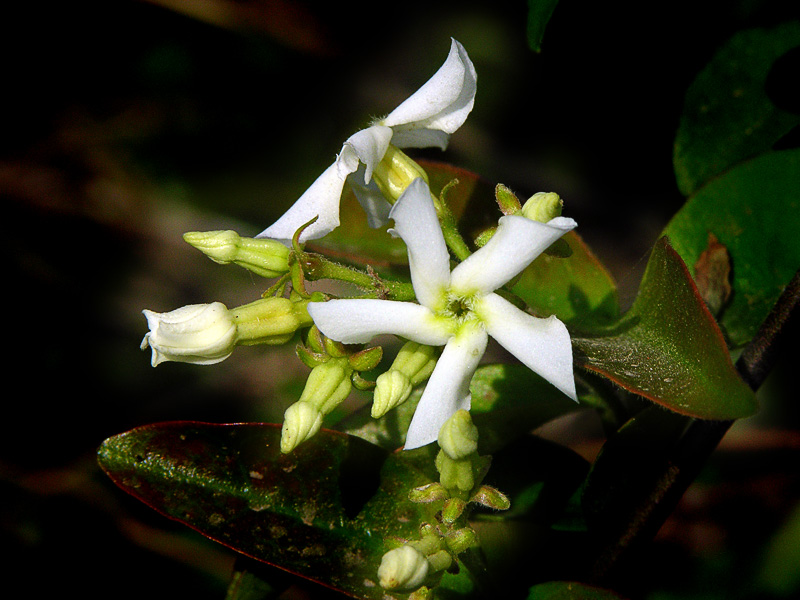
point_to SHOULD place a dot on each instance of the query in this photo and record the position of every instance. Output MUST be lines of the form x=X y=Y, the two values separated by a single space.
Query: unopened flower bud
x=416 y=361
x=395 y=173
x=366 y=359
x=202 y=334
x=264 y=257
x=301 y=422
x=542 y=207
x=455 y=474
x=461 y=539
x=403 y=568
x=507 y=200
x=328 y=385
x=392 y=388
x=458 y=437
x=452 y=510
x=270 y=320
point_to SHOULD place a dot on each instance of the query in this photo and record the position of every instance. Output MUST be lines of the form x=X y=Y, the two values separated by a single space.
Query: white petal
x=448 y=388
x=441 y=104
x=367 y=146
x=371 y=199
x=515 y=245
x=320 y=200
x=416 y=222
x=543 y=345
x=357 y=321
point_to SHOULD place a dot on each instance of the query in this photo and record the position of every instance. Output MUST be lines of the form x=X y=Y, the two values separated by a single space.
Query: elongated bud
x=395 y=173
x=392 y=388
x=264 y=257
x=461 y=539
x=542 y=207
x=202 y=334
x=403 y=568
x=458 y=437
x=328 y=385
x=301 y=422
x=507 y=200
x=270 y=320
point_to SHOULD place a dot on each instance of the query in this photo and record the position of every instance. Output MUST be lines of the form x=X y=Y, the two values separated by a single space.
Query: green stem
x=316 y=266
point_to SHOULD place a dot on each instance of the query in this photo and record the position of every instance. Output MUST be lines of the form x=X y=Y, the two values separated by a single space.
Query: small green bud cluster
x=334 y=372
x=413 y=364
x=460 y=472
x=541 y=207
x=264 y=257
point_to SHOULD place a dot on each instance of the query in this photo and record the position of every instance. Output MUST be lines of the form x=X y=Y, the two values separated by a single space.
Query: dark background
x=128 y=123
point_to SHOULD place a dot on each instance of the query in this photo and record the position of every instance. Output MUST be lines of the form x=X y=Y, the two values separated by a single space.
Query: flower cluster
x=445 y=316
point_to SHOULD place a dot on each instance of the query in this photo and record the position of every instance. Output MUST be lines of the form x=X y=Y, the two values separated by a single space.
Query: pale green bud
x=328 y=385
x=392 y=388
x=542 y=207
x=455 y=474
x=453 y=508
x=202 y=334
x=264 y=257
x=270 y=320
x=301 y=422
x=415 y=361
x=461 y=539
x=395 y=173
x=458 y=437
x=403 y=568
x=439 y=561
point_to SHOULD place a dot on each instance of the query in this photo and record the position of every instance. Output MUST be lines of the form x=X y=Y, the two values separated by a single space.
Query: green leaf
x=577 y=289
x=668 y=347
x=728 y=116
x=569 y=590
x=539 y=13
x=754 y=211
x=324 y=512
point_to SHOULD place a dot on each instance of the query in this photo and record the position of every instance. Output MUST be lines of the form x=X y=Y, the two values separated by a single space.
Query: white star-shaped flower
x=425 y=119
x=458 y=310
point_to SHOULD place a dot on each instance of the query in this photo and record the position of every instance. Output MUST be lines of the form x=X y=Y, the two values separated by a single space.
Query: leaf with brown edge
x=668 y=348
x=323 y=512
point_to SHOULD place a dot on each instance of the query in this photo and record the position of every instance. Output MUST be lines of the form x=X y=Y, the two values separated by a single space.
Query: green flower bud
x=542 y=207
x=270 y=320
x=458 y=437
x=264 y=257
x=301 y=421
x=328 y=385
x=366 y=359
x=453 y=509
x=439 y=561
x=403 y=568
x=430 y=492
x=395 y=173
x=507 y=200
x=455 y=474
x=461 y=539
x=392 y=388
x=491 y=498
x=415 y=361
x=203 y=334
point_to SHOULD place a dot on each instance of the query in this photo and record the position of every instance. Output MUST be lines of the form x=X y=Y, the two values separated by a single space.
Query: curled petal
x=442 y=104
x=320 y=200
x=367 y=146
x=447 y=390
x=516 y=244
x=358 y=321
x=542 y=345
x=415 y=221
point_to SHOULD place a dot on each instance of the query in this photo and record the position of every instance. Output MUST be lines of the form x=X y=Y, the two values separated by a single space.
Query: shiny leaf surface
x=668 y=348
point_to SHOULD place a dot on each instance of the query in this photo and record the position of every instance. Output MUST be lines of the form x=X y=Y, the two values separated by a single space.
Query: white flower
x=202 y=334
x=458 y=310
x=425 y=119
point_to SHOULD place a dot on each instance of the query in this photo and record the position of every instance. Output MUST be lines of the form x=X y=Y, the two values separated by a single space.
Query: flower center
x=459 y=309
